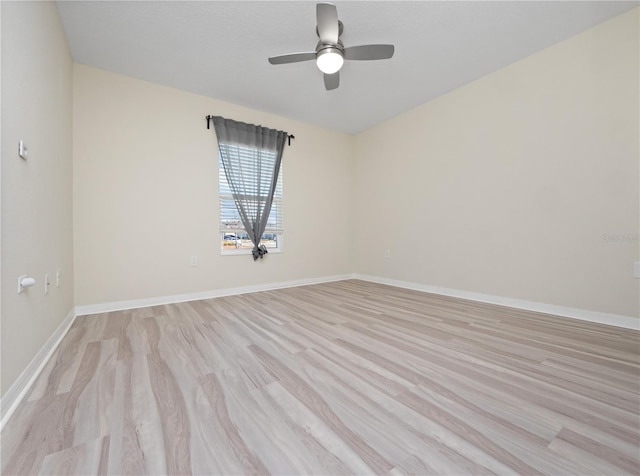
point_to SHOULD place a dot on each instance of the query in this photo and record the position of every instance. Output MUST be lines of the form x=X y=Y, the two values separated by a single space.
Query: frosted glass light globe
x=329 y=61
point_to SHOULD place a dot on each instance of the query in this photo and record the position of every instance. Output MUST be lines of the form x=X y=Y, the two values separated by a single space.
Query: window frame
x=277 y=199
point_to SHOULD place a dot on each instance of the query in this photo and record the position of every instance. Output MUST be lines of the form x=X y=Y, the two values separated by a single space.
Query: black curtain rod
x=289 y=136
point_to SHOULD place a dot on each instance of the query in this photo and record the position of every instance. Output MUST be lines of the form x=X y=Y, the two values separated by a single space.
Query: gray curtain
x=251 y=157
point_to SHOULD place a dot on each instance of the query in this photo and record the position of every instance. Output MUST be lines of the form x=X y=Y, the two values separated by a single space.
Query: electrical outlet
x=194 y=261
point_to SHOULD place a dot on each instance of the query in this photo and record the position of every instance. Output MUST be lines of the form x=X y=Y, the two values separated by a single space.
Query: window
x=233 y=238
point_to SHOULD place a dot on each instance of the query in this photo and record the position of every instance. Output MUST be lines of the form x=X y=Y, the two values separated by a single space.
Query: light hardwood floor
x=340 y=378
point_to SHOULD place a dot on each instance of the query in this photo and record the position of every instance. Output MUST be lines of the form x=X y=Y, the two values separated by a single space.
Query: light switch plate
x=23 y=152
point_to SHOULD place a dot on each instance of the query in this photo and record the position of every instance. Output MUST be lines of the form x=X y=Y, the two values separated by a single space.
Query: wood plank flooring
x=340 y=378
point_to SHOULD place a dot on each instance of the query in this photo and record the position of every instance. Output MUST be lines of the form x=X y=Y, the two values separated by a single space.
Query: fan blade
x=332 y=81
x=369 y=52
x=292 y=58
x=328 y=27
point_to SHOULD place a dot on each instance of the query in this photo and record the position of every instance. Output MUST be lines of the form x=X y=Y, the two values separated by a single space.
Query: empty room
x=310 y=238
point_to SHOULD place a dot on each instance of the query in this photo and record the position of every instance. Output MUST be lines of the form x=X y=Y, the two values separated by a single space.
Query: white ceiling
x=220 y=48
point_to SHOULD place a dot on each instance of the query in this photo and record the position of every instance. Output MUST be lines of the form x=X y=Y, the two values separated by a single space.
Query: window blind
x=248 y=167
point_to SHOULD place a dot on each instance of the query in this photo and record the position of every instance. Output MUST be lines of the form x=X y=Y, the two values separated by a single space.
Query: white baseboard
x=21 y=386
x=616 y=320
x=156 y=301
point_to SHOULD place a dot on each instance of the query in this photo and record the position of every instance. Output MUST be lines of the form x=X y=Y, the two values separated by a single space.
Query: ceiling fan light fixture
x=330 y=52
x=329 y=60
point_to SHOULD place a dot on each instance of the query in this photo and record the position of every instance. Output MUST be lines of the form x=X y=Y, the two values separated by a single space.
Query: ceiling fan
x=330 y=53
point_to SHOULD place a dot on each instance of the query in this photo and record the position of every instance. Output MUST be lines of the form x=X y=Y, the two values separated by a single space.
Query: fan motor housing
x=340 y=29
x=339 y=48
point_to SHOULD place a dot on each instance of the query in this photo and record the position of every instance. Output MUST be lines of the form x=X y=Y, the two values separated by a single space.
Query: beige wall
x=507 y=185
x=146 y=198
x=37 y=235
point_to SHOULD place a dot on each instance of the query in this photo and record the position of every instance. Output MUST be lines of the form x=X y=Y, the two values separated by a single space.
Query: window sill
x=247 y=252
